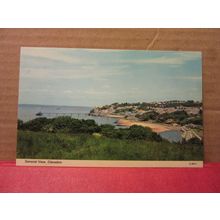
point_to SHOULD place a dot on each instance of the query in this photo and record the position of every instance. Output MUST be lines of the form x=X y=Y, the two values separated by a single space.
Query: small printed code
x=192 y=163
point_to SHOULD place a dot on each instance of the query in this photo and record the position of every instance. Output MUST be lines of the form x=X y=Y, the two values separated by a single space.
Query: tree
x=35 y=125
x=89 y=126
x=75 y=126
x=108 y=130
x=152 y=115
x=62 y=123
x=139 y=132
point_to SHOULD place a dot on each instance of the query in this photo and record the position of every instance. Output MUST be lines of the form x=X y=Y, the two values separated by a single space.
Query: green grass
x=42 y=145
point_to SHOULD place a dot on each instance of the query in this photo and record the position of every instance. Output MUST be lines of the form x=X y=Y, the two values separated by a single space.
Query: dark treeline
x=164 y=104
x=180 y=117
x=66 y=124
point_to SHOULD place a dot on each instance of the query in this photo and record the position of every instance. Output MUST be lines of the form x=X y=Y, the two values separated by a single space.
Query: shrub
x=62 y=123
x=41 y=145
x=177 y=116
x=108 y=130
x=70 y=125
x=197 y=120
x=148 y=116
x=139 y=132
x=35 y=124
x=89 y=126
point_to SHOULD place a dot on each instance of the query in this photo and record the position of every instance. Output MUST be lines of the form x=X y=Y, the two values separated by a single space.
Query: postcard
x=109 y=108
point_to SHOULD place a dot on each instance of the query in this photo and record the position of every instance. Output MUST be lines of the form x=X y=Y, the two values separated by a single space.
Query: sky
x=96 y=77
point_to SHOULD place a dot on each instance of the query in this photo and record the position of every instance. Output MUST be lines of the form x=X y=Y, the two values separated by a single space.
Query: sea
x=28 y=112
x=171 y=136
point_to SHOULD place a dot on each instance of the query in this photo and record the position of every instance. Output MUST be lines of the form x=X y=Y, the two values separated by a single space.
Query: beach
x=156 y=127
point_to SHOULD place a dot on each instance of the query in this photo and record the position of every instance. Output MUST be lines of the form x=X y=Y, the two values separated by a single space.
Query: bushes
x=68 y=138
x=152 y=115
x=111 y=132
x=177 y=116
x=143 y=133
x=64 y=124
x=70 y=125
x=193 y=120
x=88 y=126
x=108 y=131
x=35 y=124
x=134 y=132
x=41 y=145
x=191 y=103
x=139 y=133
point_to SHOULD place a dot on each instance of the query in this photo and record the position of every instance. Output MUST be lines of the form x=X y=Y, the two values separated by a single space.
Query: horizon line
x=109 y=104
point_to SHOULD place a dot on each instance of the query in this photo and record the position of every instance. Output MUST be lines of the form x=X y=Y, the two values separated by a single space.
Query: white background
x=114 y=13
x=109 y=206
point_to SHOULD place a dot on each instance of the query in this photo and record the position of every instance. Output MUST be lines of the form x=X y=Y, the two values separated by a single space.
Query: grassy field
x=43 y=145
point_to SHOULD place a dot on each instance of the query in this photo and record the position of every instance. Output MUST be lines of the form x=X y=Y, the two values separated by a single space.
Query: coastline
x=156 y=127
x=107 y=115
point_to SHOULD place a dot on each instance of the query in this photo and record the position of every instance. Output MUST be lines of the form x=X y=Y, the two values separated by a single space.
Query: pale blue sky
x=93 y=77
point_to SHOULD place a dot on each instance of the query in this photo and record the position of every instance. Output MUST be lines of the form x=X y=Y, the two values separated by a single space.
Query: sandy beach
x=156 y=127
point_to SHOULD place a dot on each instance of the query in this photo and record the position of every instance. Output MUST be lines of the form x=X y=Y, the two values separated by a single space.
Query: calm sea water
x=172 y=136
x=28 y=112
